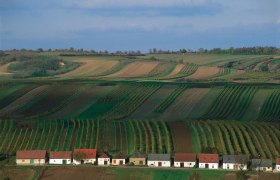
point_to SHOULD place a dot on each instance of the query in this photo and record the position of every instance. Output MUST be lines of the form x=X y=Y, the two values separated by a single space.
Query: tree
x=79 y=156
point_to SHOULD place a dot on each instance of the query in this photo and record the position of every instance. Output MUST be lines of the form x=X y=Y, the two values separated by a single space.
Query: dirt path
x=181 y=137
x=136 y=69
x=204 y=72
x=4 y=68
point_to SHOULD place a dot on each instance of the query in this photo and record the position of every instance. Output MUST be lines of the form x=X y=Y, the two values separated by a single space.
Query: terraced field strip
x=6 y=90
x=183 y=104
x=270 y=110
x=160 y=69
x=176 y=70
x=135 y=98
x=14 y=93
x=146 y=110
x=82 y=102
x=204 y=72
x=53 y=101
x=246 y=138
x=114 y=69
x=102 y=67
x=136 y=69
x=205 y=103
x=232 y=103
x=25 y=99
x=182 y=138
x=256 y=77
x=256 y=104
x=169 y=99
x=187 y=70
x=166 y=71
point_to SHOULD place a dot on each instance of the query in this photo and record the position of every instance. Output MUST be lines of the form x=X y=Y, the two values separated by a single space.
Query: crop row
x=129 y=136
x=233 y=137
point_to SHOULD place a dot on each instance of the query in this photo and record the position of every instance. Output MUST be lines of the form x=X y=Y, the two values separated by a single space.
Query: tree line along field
x=117 y=101
x=146 y=136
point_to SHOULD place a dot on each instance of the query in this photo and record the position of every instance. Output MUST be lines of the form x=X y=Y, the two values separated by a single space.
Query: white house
x=60 y=157
x=277 y=167
x=31 y=157
x=261 y=164
x=235 y=162
x=84 y=156
x=103 y=160
x=208 y=161
x=187 y=160
x=159 y=160
x=119 y=159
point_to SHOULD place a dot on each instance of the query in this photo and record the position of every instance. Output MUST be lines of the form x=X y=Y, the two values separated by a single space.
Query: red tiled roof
x=208 y=158
x=278 y=161
x=31 y=154
x=89 y=153
x=103 y=155
x=185 y=157
x=60 y=155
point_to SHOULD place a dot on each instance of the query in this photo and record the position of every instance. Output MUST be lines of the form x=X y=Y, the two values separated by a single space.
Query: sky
x=138 y=24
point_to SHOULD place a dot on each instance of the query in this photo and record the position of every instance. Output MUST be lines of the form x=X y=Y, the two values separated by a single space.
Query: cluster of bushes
x=39 y=66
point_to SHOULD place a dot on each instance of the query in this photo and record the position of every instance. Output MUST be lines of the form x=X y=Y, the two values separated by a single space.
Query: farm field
x=146 y=136
x=122 y=100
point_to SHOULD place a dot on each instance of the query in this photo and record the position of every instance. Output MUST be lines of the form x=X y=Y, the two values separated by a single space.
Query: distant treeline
x=256 y=50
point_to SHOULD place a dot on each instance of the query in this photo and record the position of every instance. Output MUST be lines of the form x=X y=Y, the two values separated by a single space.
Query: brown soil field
x=136 y=69
x=82 y=102
x=15 y=174
x=184 y=104
x=75 y=173
x=181 y=137
x=26 y=98
x=146 y=109
x=4 y=68
x=204 y=72
x=176 y=70
x=90 y=67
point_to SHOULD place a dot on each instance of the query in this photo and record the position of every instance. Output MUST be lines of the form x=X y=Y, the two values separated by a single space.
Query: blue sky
x=138 y=25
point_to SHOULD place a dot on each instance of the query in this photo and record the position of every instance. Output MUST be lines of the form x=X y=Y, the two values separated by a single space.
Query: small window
x=23 y=160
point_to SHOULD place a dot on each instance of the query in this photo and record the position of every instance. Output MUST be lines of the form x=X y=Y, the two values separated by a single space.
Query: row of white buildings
x=181 y=160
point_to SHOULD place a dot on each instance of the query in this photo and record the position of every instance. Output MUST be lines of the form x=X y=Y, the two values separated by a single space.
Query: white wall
x=101 y=161
x=231 y=166
x=263 y=169
x=186 y=164
x=59 y=161
x=86 y=161
x=117 y=161
x=27 y=161
x=277 y=167
x=155 y=163
x=210 y=165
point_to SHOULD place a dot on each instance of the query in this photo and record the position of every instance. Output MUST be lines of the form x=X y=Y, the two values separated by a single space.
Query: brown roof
x=103 y=155
x=185 y=157
x=31 y=154
x=60 y=155
x=208 y=158
x=89 y=153
x=119 y=156
x=278 y=161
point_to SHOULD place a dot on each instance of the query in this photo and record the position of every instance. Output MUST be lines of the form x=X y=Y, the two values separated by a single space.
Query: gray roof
x=240 y=159
x=159 y=157
x=261 y=163
x=138 y=155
